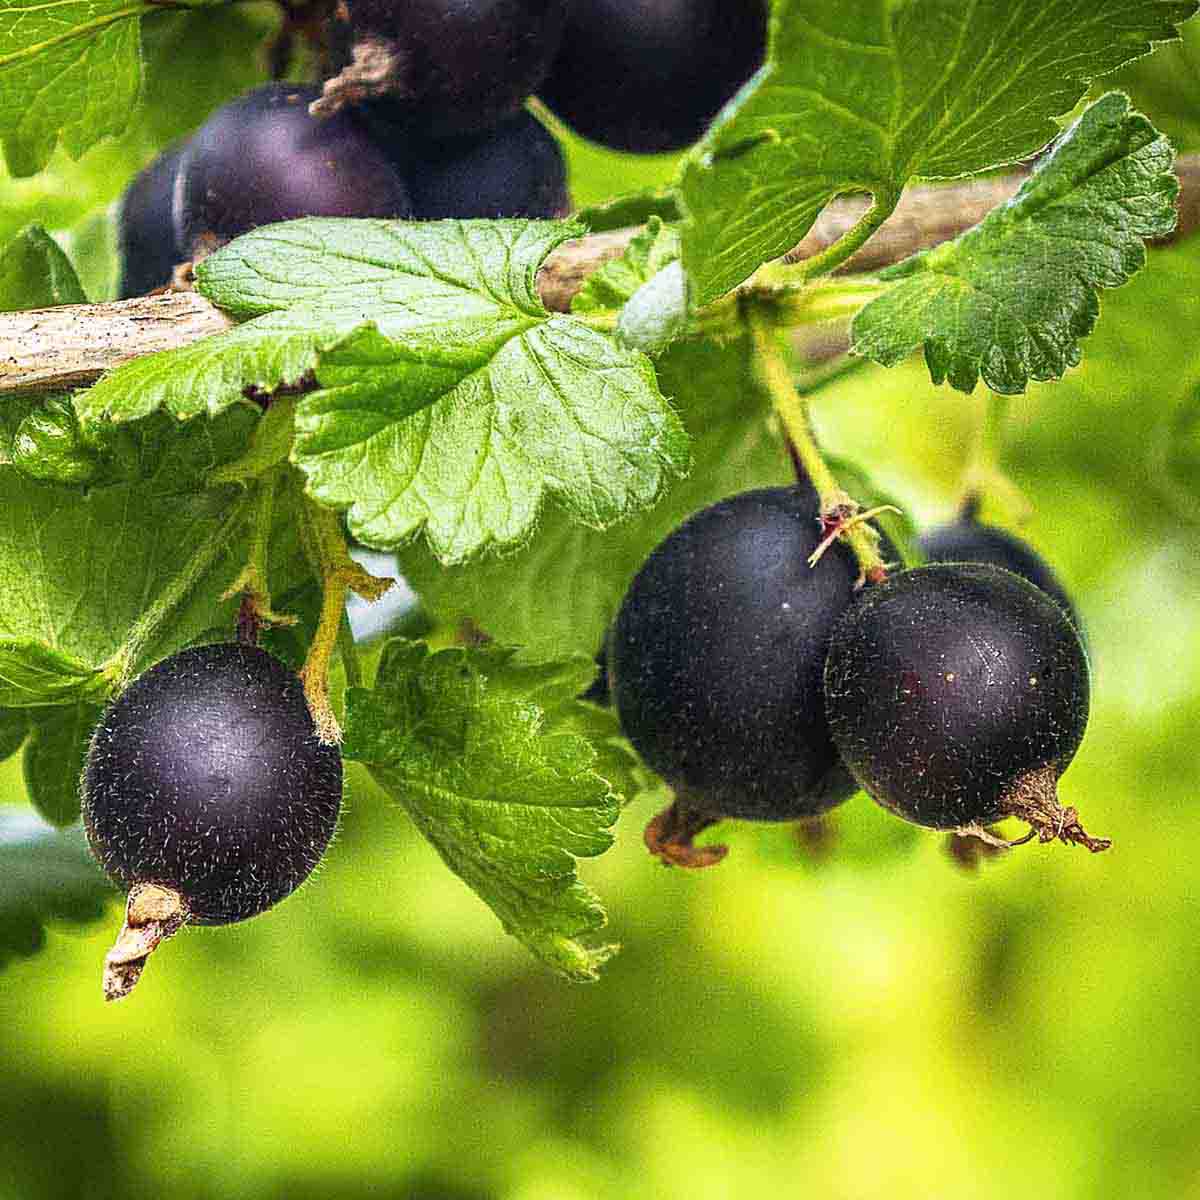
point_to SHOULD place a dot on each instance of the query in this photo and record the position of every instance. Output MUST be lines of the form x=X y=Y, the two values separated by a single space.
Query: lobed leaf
x=449 y=399
x=482 y=752
x=865 y=95
x=1011 y=299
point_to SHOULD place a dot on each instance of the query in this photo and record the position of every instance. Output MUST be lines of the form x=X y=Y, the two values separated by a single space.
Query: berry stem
x=152 y=914
x=838 y=510
x=269 y=447
x=120 y=665
x=252 y=581
x=670 y=836
x=984 y=474
x=331 y=559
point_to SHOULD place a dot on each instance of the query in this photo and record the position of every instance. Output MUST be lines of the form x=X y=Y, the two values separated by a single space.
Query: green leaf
x=70 y=72
x=558 y=595
x=1011 y=298
x=48 y=445
x=451 y=400
x=45 y=877
x=634 y=209
x=616 y=282
x=78 y=569
x=53 y=760
x=470 y=743
x=35 y=273
x=14 y=728
x=865 y=95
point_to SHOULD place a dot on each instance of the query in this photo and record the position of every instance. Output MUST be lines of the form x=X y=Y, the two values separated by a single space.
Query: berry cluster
x=422 y=117
x=762 y=687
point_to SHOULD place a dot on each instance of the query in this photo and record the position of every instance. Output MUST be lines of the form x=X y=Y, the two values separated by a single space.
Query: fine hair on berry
x=957 y=694
x=717 y=653
x=206 y=777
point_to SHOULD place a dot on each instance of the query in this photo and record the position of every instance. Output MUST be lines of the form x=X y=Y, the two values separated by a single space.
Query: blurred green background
x=860 y=1020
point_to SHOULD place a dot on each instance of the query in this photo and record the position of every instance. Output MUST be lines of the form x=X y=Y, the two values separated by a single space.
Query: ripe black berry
x=443 y=67
x=206 y=792
x=148 y=246
x=649 y=75
x=957 y=694
x=969 y=540
x=516 y=170
x=716 y=659
x=262 y=158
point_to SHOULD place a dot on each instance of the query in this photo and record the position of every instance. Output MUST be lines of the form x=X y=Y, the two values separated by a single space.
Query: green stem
x=853 y=240
x=121 y=664
x=322 y=532
x=348 y=653
x=774 y=375
x=817 y=379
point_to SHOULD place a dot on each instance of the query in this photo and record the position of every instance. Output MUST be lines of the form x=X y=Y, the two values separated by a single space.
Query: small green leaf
x=35 y=273
x=1011 y=298
x=70 y=72
x=48 y=445
x=45 y=877
x=33 y=674
x=14 y=728
x=865 y=95
x=615 y=283
x=53 y=760
x=479 y=750
x=635 y=209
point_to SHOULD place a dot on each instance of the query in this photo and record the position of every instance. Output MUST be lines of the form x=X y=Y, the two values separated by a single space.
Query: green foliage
x=48 y=445
x=560 y=593
x=14 y=728
x=35 y=273
x=79 y=569
x=616 y=282
x=864 y=96
x=470 y=742
x=1011 y=298
x=44 y=876
x=90 y=49
x=458 y=409
x=52 y=760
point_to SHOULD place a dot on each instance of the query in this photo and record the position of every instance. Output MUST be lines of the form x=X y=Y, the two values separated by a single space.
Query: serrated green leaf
x=616 y=282
x=451 y=400
x=1011 y=298
x=77 y=569
x=865 y=95
x=35 y=273
x=559 y=410
x=558 y=595
x=470 y=742
x=14 y=728
x=70 y=72
x=45 y=877
x=53 y=759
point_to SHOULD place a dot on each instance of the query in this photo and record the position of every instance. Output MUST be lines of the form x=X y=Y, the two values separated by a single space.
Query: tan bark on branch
x=54 y=349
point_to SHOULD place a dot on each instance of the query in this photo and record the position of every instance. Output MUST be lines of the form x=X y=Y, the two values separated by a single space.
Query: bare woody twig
x=54 y=349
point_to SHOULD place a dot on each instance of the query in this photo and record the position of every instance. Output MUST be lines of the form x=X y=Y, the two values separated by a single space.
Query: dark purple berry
x=957 y=694
x=516 y=170
x=205 y=776
x=444 y=67
x=146 y=238
x=650 y=75
x=717 y=653
x=969 y=540
x=263 y=158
